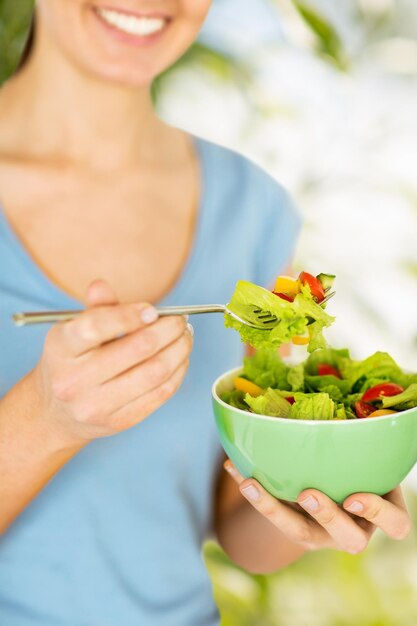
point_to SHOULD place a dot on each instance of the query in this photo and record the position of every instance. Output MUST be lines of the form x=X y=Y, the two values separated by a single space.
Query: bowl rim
x=288 y=420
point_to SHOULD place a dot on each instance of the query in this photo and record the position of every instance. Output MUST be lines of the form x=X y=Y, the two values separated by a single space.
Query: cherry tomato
x=362 y=409
x=284 y=296
x=324 y=369
x=315 y=285
x=381 y=390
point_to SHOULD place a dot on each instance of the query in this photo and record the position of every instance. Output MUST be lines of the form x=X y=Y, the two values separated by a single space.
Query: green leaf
x=270 y=403
x=315 y=406
x=377 y=368
x=330 y=356
x=328 y=40
x=15 y=20
x=407 y=397
x=267 y=369
x=296 y=377
x=293 y=316
x=335 y=387
x=235 y=398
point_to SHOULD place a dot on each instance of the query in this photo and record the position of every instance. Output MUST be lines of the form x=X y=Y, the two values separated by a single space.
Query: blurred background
x=322 y=94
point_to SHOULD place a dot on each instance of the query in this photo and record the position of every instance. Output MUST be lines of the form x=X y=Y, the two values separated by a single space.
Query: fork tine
x=327 y=298
x=265 y=320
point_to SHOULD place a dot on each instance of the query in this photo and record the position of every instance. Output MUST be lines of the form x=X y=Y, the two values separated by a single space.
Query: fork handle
x=48 y=317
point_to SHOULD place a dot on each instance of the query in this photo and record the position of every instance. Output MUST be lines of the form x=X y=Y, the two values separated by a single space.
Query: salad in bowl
x=330 y=422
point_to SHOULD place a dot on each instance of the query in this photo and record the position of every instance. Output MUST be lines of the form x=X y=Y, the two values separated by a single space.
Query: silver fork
x=260 y=319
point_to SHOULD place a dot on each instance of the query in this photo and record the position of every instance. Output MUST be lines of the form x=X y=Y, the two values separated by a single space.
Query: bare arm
x=31 y=452
x=98 y=375
x=249 y=539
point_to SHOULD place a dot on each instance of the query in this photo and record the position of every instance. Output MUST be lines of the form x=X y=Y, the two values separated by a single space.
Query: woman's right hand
x=111 y=367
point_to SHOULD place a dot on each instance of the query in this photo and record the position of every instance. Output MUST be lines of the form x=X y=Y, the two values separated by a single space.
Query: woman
x=93 y=185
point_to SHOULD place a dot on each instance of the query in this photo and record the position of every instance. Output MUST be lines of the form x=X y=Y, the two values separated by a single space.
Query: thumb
x=100 y=293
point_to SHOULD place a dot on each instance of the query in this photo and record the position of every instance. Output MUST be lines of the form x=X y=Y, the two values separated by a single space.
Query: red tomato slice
x=324 y=369
x=315 y=285
x=381 y=390
x=362 y=409
x=284 y=296
x=291 y=399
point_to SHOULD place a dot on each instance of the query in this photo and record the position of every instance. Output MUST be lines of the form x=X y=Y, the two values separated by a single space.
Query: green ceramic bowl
x=337 y=457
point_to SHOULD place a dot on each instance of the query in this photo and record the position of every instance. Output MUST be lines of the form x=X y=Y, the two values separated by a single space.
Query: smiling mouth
x=136 y=25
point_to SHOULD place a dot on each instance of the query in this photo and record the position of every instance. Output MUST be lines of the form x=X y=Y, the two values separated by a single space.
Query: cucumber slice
x=326 y=280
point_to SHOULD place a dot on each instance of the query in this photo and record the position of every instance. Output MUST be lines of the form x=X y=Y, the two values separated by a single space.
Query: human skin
x=54 y=166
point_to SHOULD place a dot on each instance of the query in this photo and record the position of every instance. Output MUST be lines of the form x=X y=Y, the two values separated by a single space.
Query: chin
x=122 y=73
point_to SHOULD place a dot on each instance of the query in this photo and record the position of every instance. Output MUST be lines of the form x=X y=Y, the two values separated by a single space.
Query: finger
x=347 y=535
x=396 y=497
x=100 y=293
x=389 y=513
x=368 y=527
x=137 y=410
x=294 y=525
x=146 y=376
x=121 y=355
x=99 y=325
x=233 y=471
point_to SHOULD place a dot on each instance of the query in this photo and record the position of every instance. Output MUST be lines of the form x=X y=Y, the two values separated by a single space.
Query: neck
x=67 y=114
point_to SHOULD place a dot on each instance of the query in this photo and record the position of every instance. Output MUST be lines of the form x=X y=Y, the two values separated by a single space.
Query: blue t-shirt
x=115 y=538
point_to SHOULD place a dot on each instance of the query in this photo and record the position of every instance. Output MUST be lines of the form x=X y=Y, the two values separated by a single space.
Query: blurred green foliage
x=15 y=19
x=328 y=41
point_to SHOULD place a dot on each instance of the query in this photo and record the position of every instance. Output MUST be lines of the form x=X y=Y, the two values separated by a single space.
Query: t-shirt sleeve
x=279 y=232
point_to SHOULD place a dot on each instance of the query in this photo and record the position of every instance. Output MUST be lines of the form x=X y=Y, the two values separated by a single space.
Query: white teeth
x=132 y=25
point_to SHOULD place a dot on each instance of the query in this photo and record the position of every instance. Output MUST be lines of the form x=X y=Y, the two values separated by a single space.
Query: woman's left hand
x=317 y=522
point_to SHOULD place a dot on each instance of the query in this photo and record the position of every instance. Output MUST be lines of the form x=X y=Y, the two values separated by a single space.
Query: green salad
x=295 y=302
x=329 y=384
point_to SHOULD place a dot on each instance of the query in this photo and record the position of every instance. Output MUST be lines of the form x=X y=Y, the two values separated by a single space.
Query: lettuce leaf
x=344 y=412
x=330 y=356
x=377 y=368
x=314 y=406
x=270 y=403
x=335 y=387
x=321 y=397
x=235 y=398
x=267 y=369
x=295 y=377
x=405 y=400
x=294 y=316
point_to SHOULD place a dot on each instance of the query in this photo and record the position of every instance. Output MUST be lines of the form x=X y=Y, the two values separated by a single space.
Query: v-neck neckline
x=185 y=277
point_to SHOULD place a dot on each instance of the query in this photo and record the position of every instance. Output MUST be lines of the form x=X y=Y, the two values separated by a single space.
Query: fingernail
x=149 y=315
x=190 y=329
x=251 y=492
x=310 y=504
x=230 y=469
x=355 y=507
